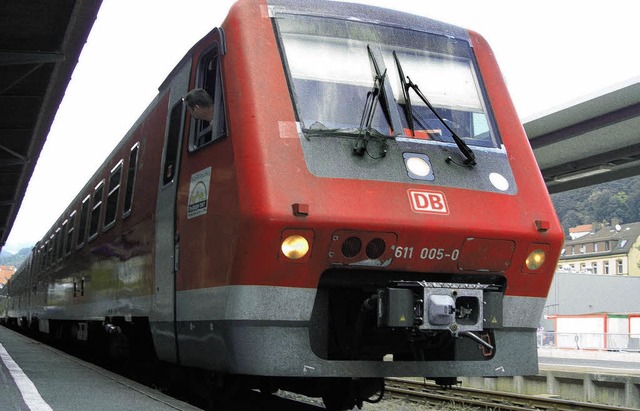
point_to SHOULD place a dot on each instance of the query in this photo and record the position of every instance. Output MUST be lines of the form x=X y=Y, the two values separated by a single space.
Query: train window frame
x=113 y=196
x=132 y=171
x=450 y=48
x=59 y=244
x=171 y=158
x=50 y=250
x=96 y=210
x=81 y=238
x=63 y=233
x=40 y=254
x=200 y=134
x=45 y=255
x=71 y=228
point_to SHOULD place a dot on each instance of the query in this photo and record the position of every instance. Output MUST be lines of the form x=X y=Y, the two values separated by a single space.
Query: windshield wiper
x=376 y=93
x=315 y=131
x=406 y=85
x=383 y=93
x=408 y=109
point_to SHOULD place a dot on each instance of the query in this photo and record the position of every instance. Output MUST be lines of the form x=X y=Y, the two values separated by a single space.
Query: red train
x=364 y=204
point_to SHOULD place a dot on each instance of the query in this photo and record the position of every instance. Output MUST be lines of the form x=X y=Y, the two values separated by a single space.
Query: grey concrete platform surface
x=36 y=377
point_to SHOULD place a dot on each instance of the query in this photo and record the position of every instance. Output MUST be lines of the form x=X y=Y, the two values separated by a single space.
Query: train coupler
x=434 y=306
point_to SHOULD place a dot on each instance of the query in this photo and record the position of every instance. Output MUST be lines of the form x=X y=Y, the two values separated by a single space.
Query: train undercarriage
x=363 y=323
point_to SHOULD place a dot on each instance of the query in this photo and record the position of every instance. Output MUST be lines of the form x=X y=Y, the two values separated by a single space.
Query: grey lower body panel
x=272 y=348
x=258 y=330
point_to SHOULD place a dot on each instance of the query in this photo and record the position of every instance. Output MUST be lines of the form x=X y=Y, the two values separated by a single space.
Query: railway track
x=417 y=391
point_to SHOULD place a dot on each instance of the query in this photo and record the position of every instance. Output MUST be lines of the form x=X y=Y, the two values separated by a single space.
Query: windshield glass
x=331 y=78
x=449 y=84
x=331 y=74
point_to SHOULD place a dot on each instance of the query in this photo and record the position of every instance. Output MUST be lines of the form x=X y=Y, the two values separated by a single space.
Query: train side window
x=63 y=238
x=209 y=77
x=70 y=229
x=41 y=252
x=59 y=244
x=45 y=255
x=84 y=217
x=35 y=264
x=131 y=180
x=94 y=224
x=173 y=140
x=113 y=196
x=50 y=248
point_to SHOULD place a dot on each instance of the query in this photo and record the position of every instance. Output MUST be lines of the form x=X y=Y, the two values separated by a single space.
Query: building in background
x=600 y=331
x=611 y=250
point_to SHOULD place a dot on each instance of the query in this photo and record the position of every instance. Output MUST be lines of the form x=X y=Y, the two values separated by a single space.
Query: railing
x=589 y=341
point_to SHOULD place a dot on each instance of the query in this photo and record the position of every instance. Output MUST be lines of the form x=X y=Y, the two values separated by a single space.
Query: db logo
x=428 y=202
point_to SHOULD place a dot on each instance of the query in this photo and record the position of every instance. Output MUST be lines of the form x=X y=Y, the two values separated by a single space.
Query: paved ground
x=37 y=377
x=613 y=362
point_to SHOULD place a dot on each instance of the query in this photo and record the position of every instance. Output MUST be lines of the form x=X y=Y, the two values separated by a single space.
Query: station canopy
x=40 y=42
x=594 y=140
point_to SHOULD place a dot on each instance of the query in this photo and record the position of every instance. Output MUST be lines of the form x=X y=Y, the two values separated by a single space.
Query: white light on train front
x=418 y=166
x=295 y=247
x=535 y=259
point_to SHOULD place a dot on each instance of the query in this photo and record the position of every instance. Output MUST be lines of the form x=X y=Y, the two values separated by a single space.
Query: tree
x=600 y=203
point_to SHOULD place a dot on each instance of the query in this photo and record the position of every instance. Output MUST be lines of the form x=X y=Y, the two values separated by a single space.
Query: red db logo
x=428 y=202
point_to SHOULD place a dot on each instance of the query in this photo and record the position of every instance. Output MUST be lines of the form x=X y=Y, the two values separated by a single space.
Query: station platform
x=36 y=377
x=599 y=377
x=591 y=361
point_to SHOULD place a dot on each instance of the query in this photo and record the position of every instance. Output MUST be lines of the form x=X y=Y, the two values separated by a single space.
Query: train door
x=162 y=319
x=205 y=157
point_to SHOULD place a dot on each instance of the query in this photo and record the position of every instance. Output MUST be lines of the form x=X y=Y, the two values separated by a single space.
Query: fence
x=590 y=341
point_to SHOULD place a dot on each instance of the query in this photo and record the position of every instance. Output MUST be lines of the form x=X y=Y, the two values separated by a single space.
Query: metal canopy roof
x=593 y=141
x=40 y=42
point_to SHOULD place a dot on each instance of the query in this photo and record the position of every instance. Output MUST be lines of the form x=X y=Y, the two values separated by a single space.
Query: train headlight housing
x=295 y=247
x=535 y=259
x=418 y=166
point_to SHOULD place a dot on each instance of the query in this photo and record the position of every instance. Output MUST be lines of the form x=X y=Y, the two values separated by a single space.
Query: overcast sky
x=552 y=54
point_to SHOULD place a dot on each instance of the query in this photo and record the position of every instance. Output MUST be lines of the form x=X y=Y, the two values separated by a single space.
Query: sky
x=552 y=54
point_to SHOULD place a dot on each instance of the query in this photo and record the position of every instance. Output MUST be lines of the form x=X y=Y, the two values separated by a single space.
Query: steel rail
x=413 y=390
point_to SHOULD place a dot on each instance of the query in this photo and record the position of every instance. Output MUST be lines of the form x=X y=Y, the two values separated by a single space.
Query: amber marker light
x=295 y=247
x=535 y=259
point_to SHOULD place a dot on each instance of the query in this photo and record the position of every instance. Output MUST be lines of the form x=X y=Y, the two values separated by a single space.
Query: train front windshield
x=335 y=84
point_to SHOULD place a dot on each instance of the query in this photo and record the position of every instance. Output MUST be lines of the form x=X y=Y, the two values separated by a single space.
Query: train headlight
x=418 y=166
x=295 y=247
x=535 y=259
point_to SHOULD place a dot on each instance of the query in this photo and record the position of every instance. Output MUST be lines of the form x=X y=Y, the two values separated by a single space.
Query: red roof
x=5 y=273
x=585 y=228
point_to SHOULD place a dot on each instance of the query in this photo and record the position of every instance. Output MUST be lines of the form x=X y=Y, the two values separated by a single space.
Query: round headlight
x=418 y=166
x=295 y=247
x=535 y=259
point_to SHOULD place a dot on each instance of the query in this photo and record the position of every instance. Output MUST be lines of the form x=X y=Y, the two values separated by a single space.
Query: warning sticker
x=199 y=193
